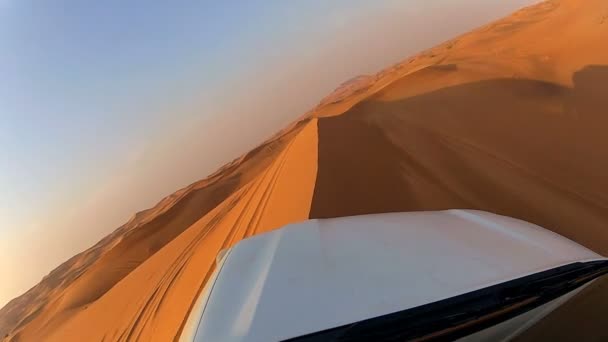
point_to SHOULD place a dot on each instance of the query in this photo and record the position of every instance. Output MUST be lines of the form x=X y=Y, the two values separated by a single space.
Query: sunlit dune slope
x=90 y=276
x=509 y=118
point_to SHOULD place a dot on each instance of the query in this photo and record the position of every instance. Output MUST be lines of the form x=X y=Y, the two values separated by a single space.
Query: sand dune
x=154 y=291
x=509 y=118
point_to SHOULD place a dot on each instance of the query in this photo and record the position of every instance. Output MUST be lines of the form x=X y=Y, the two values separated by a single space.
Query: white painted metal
x=192 y=324
x=320 y=274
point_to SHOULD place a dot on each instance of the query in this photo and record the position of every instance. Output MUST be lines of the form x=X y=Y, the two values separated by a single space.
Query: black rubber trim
x=459 y=316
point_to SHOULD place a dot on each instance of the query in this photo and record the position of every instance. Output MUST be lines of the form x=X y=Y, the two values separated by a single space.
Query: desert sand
x=510 y=118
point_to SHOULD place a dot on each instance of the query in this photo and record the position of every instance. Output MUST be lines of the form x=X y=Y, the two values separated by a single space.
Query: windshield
x=463 y=315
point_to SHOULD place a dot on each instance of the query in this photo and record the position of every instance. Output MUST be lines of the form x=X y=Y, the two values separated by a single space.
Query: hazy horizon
x=108 y=108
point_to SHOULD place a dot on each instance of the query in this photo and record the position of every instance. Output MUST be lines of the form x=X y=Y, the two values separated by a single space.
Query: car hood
x=320 y=274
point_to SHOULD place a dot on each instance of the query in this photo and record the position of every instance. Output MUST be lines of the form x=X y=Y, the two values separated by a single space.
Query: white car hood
x=320 y=274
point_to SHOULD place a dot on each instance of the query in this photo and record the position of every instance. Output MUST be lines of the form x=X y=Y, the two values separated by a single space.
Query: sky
x=108 y=106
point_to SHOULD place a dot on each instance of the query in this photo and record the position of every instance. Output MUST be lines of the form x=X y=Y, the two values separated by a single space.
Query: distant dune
x=510 y=118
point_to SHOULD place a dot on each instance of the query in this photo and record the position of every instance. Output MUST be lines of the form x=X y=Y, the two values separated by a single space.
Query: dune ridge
x=508 y=118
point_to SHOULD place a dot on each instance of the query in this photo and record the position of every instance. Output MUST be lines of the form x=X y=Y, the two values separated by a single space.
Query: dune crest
x=508 y=118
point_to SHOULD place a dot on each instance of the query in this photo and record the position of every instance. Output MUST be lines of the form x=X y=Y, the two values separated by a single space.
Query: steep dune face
x=522 y=148
x=509 y=118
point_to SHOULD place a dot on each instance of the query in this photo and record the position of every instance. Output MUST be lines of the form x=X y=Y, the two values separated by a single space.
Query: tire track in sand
x=249 y=205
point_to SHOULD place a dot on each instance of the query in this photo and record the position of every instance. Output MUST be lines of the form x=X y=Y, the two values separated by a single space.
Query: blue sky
x=107 y=106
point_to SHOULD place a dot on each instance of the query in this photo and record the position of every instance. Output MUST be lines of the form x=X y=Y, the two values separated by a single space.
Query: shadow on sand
x=523 y=148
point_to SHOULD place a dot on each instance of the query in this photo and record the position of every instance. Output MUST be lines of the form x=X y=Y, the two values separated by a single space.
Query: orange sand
x=509 y=118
